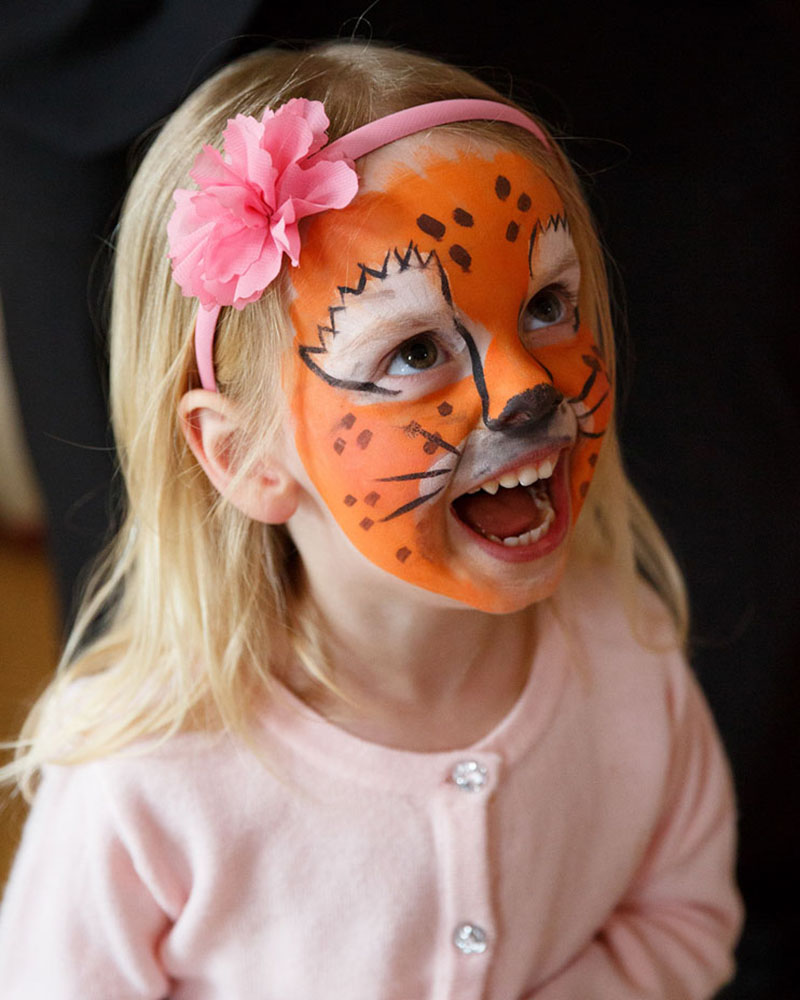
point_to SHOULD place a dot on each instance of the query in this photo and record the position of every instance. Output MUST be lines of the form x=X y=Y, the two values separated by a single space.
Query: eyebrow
x=388 y=327
x=385 y=308
x=550 y=269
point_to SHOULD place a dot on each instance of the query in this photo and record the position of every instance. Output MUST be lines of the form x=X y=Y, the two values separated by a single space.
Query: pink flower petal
x=284 y=231
x=186 y=274
x=259 y=275
x=210 y=168
x=229 y=257
x=321 y=186
x=221 y=293
x=242 y=144
x=318 y=120
x=243 y=203
x=313 y=114
x=288 y=139
x=183 y=221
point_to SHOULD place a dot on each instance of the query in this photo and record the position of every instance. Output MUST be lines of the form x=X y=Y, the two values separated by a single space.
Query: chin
x=504 y=590
x=509 y=596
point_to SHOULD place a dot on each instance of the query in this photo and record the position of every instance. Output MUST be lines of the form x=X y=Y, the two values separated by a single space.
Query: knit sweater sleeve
x=77 y=919
x=672 y=934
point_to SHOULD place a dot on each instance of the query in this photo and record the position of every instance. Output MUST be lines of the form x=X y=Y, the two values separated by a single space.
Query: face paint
x=439 y=349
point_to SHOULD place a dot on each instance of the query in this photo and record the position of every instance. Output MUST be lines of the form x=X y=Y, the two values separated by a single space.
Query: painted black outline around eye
x=403 y=260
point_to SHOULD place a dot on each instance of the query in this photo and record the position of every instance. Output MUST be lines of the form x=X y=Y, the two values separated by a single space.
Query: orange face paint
x=439 y=348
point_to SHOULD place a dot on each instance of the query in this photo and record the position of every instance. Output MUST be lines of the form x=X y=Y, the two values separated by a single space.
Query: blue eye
x=546 y=308
x=414 y=356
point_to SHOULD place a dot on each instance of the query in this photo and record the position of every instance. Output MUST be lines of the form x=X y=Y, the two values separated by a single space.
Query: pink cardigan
x=583 y=850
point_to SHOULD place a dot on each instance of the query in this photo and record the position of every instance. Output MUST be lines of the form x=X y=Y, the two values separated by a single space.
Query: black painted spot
x=364 y=439
x=512 y=232
x=349 y=500
x=461 y=256
x=339 y=445
x=583 y=489
x=592 y=363
x=502 y=187
x=371 y=499
x=366 y=524
x=463 y=218
x=524 y=202
x=593 y=459
x=348 y=420
x=431 y=226
x=445 y=409
x=430 y=447
x=403 y=554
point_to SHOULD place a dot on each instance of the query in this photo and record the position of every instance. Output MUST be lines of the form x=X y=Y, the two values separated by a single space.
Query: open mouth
x=520 y=508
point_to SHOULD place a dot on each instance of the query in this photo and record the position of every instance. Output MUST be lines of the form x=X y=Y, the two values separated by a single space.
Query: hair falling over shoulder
x=196 y=600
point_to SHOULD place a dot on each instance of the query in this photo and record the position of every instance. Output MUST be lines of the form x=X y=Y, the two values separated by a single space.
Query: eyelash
x=444 y=353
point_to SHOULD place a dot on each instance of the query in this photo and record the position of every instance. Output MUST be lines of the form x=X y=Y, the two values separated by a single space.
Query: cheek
x=579 y=372
x=378 y=466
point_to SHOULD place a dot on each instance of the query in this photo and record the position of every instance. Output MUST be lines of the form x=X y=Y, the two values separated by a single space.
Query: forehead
x=478 y=208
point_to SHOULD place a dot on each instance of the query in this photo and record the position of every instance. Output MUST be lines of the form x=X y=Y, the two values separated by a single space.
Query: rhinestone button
x=470 y=939
x=469 y=775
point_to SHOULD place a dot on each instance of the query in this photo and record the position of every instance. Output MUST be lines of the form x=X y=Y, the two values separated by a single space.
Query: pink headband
x=227 y=238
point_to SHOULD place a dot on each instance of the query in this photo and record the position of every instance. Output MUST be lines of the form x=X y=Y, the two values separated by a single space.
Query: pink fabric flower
x=227 y=239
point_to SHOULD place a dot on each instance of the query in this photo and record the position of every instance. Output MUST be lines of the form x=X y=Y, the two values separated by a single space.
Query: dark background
x=683 y=122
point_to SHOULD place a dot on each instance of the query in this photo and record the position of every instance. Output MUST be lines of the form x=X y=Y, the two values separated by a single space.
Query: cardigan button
x=469 y=775
x=470 y=939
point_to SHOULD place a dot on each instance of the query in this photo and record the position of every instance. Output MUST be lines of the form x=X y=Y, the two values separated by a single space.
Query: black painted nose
x=526 y=412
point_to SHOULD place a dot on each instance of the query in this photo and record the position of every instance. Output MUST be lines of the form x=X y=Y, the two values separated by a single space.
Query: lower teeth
x=542 y=501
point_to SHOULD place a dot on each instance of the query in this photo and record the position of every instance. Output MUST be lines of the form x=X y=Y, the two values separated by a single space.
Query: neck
x=412 y=674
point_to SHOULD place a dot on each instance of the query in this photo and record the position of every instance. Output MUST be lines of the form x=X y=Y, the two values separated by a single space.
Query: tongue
x=507 y=513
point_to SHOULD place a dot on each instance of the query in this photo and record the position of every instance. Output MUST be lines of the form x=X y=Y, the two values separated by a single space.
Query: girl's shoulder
x=154 y=784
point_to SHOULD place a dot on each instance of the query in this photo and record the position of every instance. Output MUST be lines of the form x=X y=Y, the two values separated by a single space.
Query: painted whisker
x=413 y=475
x=588 y=385
x=412 y=505
x=413 y=429
x=596 y=406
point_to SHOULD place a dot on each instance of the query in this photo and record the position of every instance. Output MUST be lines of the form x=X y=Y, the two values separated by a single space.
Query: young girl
x=373 y=712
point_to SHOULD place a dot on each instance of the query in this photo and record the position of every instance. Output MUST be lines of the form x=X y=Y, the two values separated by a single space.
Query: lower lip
x=559 y=497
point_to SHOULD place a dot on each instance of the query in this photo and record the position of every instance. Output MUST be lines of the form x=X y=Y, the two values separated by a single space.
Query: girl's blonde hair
x=193 y=597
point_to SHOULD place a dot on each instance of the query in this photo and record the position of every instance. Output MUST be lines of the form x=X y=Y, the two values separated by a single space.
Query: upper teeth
x=525 y=477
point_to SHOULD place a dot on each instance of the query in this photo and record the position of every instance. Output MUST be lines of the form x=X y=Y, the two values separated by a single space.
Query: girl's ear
x=267 y=491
